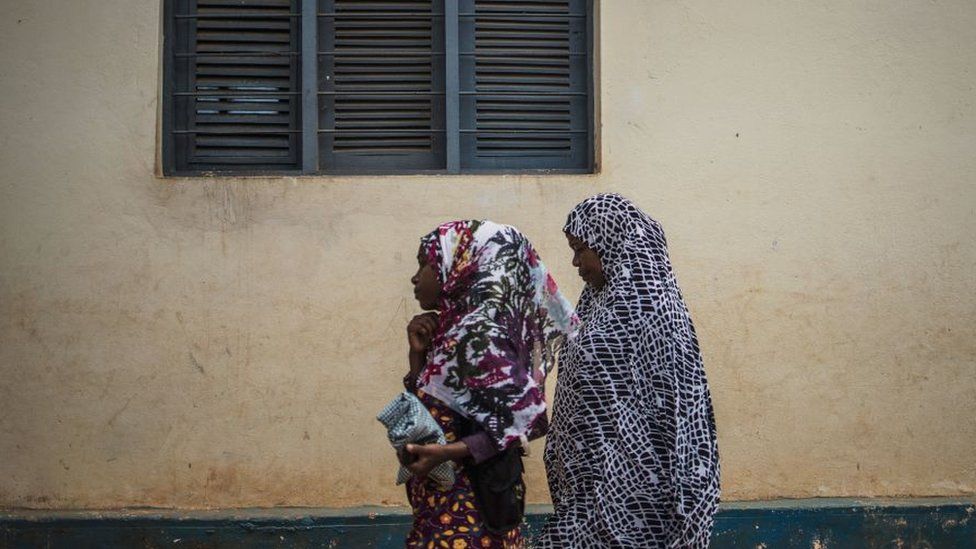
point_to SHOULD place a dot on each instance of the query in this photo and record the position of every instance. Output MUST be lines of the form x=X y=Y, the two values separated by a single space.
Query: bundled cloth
x=408 y=421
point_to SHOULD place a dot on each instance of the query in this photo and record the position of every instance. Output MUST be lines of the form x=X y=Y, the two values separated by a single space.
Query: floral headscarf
x=501 y=318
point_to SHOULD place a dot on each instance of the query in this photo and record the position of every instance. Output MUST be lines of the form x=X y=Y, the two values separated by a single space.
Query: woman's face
x=587 y=263
x=426 y=284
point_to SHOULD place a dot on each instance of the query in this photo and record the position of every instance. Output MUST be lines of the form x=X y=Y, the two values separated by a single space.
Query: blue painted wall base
x=821 y=523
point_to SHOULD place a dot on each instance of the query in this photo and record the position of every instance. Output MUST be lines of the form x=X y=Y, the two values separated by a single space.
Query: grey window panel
x=233 y=90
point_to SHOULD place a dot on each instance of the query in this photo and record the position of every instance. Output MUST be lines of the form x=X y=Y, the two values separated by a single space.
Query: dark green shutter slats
x=524 y=85
x=381 y=85
x=236 y=90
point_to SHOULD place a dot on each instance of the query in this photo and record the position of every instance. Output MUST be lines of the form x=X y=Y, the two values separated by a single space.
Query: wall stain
x=196 y=363
x=111 y=420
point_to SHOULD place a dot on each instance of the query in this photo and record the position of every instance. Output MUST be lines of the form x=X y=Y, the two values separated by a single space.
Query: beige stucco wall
x=201 y=343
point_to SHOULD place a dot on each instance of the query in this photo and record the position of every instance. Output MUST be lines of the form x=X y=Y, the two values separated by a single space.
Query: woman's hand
x=427 y=456
x=420 y=332
x=405 y=457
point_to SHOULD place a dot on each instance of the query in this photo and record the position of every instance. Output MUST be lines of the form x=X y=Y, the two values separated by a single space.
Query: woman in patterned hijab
x=479 y=358
x=631 y=454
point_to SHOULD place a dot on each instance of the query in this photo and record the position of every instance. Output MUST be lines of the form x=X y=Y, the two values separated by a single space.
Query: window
x=377 y=86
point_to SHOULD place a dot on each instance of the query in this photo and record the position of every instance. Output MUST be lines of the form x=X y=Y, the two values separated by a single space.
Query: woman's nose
x=576 y=262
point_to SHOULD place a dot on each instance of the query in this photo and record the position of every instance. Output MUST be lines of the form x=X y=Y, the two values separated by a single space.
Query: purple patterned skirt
x=449 y=517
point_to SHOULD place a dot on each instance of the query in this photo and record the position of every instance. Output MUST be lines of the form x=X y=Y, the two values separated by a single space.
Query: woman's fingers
x=415 y=449
x=418 y=469
x=417 y=341
x=421 y=449
x=420 y=331
x=423 y=323
x=425 y=328
x=429 y=324
x=424 y=459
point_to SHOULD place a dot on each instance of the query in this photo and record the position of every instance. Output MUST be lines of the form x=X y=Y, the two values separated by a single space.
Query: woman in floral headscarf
x=631 y=456
x=478 y=360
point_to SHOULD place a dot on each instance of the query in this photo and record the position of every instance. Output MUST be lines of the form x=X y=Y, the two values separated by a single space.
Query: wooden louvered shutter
x=525 y=80
x=235 y=86
x=381 y=85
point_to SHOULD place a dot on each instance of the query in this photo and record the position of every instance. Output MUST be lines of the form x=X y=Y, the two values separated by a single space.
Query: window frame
x=309 y=95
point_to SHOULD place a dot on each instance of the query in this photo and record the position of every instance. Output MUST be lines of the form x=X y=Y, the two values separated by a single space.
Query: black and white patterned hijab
x=632 y=456
x=631 y=247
